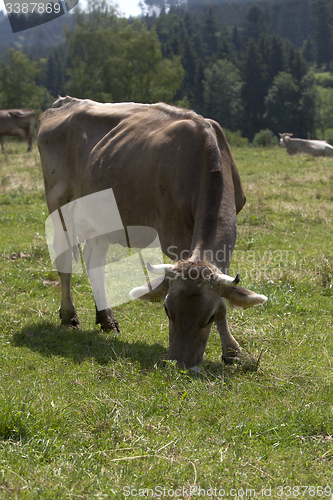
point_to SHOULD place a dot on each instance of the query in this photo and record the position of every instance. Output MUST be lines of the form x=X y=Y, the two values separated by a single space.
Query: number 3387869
x=31 y=7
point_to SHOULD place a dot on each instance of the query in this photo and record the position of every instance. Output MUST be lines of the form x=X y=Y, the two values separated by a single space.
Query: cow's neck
x=215 y=225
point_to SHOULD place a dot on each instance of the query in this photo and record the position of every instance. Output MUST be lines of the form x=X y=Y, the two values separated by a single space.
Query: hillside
x=35 y=42
x=288 y=18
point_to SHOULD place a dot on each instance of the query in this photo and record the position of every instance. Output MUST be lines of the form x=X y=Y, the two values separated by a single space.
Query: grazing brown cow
x=307 y=146
x=17 y=122
x=172 y=170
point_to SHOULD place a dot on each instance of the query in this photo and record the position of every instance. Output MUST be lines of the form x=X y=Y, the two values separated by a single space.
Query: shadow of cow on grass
x=50 y=340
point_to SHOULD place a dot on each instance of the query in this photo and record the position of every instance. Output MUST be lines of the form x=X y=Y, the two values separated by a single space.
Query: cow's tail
x=75 y=248
x=31 y=130
x=32 y=123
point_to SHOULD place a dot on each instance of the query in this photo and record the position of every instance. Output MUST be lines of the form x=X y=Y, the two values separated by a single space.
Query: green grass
x=86 y=414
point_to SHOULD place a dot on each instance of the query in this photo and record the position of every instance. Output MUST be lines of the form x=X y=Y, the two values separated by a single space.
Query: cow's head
x=284 y=139
x=193 y=293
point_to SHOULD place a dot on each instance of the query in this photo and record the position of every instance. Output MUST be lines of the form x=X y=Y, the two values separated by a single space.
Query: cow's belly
x=14 y=131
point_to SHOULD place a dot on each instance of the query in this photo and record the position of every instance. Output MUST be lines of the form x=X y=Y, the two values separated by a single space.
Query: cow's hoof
x=70 y=319
x=230 y=360
x=107 y=321
x=110 y=325
x=242 y=359
x=232 y=356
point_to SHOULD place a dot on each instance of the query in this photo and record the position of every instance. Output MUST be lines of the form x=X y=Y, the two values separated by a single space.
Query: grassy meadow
x=86 y=415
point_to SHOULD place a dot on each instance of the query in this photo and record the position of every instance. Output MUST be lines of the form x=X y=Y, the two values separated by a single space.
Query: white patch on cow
x=233 y=306
x=237 y=301
x=263 y=298
x=138 y=292
x=159 y=269
x=224 y=279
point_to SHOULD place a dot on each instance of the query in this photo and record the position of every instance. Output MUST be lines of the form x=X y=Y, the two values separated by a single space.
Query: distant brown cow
x=17 y=122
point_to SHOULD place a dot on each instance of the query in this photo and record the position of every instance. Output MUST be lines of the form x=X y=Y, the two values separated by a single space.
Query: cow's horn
x=224 y=279
x=160 y=268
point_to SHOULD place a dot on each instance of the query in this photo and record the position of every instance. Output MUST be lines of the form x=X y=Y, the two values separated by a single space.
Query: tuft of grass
x=13 y=421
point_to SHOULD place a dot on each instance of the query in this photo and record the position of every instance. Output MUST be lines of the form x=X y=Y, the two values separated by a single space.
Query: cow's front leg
x=94 y=255
x=107 y=320
x=67 y=309
x=1 y=141
x=231 y=349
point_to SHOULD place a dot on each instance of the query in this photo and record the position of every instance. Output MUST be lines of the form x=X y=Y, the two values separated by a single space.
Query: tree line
x=247 y=77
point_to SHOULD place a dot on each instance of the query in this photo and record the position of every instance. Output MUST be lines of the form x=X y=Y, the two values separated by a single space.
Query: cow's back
x=152 y=156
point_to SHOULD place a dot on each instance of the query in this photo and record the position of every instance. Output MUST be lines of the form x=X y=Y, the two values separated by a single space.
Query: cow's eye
x=166 y=311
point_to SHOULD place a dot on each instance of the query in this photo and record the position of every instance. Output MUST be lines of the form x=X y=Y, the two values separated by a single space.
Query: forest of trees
x=249 y=65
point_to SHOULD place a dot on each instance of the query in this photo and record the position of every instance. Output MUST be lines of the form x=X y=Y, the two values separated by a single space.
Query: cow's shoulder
x=67 y=110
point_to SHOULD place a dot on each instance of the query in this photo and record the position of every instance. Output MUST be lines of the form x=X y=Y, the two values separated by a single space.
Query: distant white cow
x=310 y=147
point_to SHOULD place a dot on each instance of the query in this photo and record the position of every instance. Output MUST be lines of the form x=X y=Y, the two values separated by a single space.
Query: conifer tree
x=322 y=31
x=297 y=64
x=254 y=23
x=277 y=58
x=190 y=67
x=236 y=40
x=282 y=104
x=254 y=89
x=309 y=50
x=209 y=31
x=198 y=102
x=188 y=21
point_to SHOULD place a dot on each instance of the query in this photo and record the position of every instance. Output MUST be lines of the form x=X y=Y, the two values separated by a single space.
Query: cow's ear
x=156 y=292
x=241 y=297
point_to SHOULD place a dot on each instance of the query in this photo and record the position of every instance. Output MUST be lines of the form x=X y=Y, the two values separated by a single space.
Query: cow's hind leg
x=29 y=144
x=67 y=310
x=1 y=142
x=95 y=259
x=63 y=262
